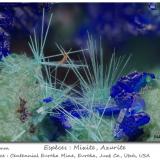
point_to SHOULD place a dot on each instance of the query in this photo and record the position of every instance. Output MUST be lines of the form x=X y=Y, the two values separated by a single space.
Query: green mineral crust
x=151 y=96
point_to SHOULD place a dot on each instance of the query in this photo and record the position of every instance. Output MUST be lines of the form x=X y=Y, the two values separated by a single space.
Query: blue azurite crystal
x=141 y=118
x=126 y=96
x=125 y=89
x=74 y=109
x=68 y=109
x=47 y=100
x=130 y=126
x=61 y=120
x=138 y=104
x=132 y=82
x=124 y=99
x=107 y=111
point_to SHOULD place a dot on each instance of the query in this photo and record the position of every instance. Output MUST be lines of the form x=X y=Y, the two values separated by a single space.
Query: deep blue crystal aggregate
x=125 y=93
x=68 y=109
x=47 y=100
x=131 y=125
x=107 y=110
